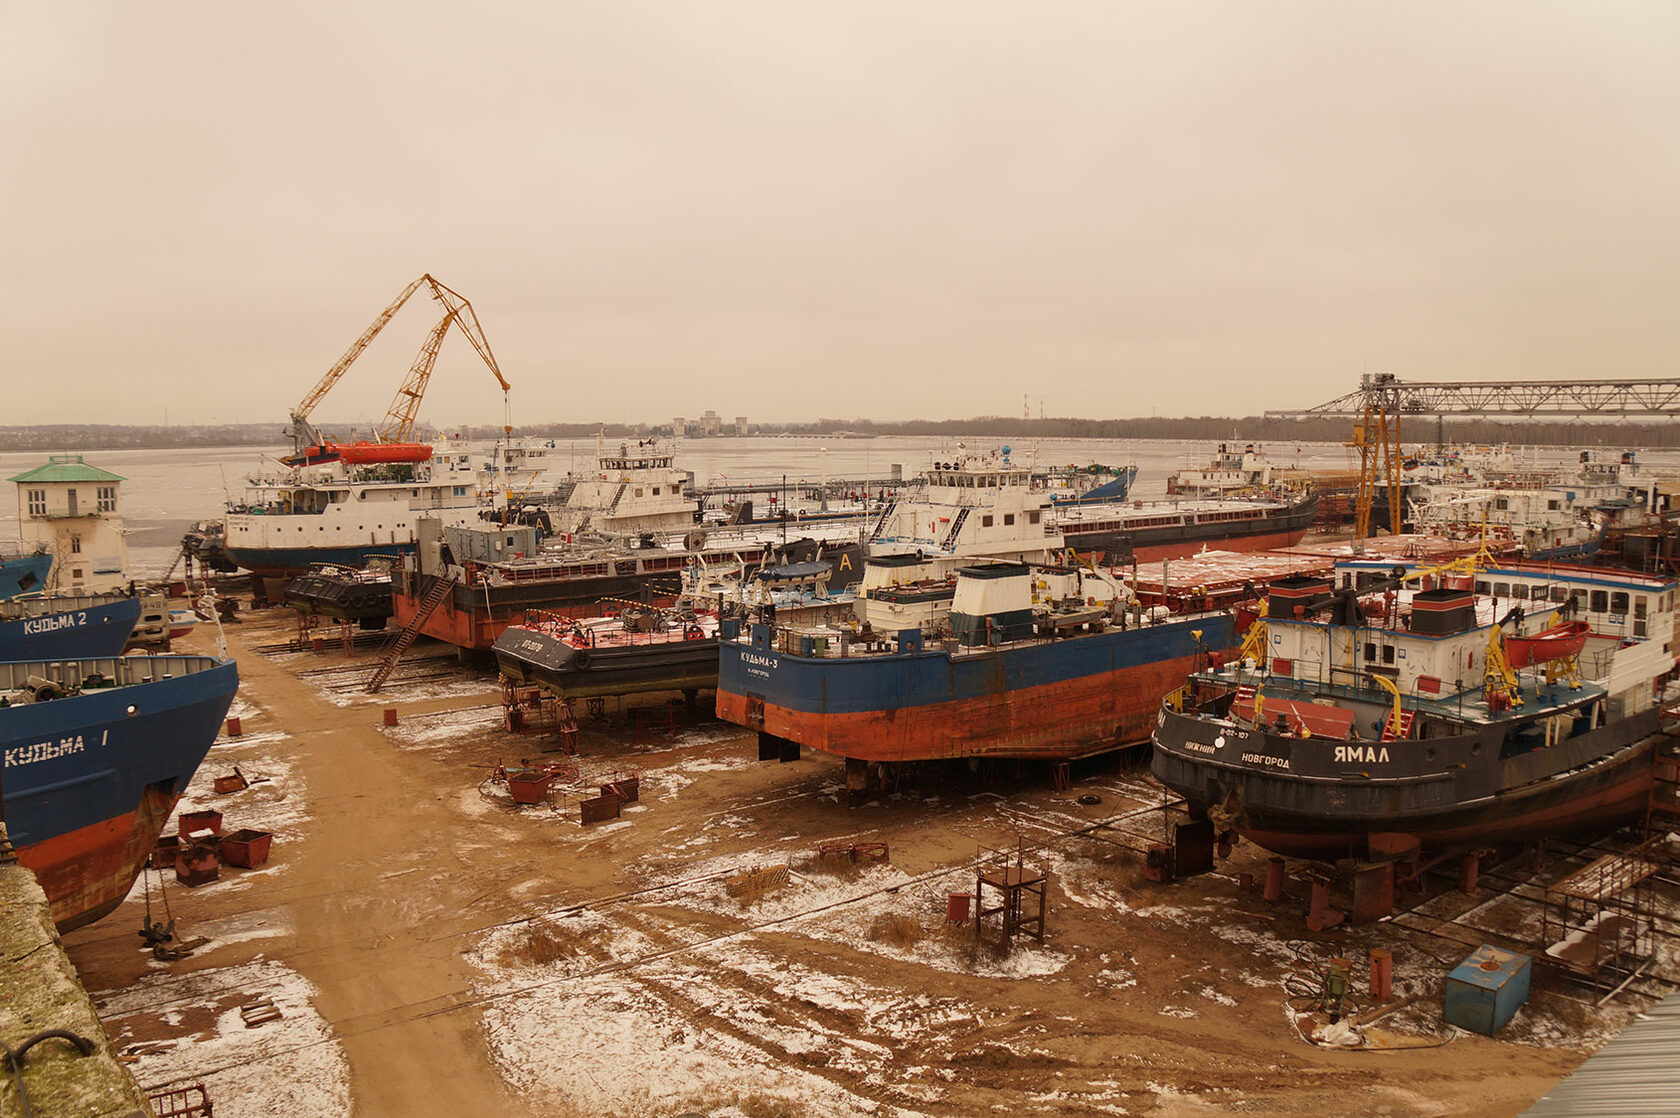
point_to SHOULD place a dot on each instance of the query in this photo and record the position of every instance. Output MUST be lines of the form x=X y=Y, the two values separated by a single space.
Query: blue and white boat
x=344 y=512
x=96 y=753
x=67 y=626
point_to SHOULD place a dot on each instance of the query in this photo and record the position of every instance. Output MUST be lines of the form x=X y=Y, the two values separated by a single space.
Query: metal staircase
x=428 y=605
x=881 y=522
x=950 y=540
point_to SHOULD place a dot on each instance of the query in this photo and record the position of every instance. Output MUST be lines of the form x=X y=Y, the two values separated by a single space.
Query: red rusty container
x=956 y=908
x=234 y=728
x=246 y=848
x=163 y=854
x=390 y=716
x=529 y=786
x=1382 y=974
x=194 y=821
x=198 y=863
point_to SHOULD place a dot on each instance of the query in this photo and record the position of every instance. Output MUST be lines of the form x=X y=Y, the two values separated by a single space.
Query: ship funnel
x=1300 y=590
x=1443 y=611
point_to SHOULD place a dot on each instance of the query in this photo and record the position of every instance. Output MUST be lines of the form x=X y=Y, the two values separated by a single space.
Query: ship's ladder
x=880 y=524
x=1393 y=731
x=434 y=598
x=950 y=540
x=619 y=496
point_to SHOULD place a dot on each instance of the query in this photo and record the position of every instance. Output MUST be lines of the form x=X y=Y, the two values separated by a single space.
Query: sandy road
x=362 y=935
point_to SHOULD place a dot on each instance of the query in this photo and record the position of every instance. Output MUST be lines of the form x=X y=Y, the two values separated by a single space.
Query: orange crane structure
x=1382 y=398
x=390 y=440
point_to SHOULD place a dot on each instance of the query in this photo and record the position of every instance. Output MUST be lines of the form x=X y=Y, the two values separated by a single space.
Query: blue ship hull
x=101 y=629
x=1048 y=699
x=1107 y=493
x=91 y=777
x=23 y=574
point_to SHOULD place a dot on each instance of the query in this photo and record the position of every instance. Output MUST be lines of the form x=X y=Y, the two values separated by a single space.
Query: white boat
x=339 y=512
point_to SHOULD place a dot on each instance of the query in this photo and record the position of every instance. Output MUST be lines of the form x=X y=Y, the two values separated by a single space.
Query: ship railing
x=121 y=670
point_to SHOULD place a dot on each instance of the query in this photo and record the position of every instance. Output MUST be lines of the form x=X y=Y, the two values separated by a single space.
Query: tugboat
x=1427 y=711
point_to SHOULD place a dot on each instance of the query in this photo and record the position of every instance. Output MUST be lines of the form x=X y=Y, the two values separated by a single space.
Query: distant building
x=710 y=424
x=741 y=425
x=73 y=509
x=679 y=427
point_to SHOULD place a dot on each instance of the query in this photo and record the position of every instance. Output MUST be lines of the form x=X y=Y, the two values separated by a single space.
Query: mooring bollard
x=390 y=716
x=233 y=726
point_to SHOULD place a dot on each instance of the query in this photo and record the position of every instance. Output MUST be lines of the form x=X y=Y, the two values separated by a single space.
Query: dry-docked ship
x=487 y=578
x=990 y=506
x=67 y=626
x=96 y=753
x=1012 y=661
x=1380 y=723
x=343 y=511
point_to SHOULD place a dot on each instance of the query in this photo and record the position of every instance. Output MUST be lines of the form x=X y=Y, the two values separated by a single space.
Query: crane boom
x=301 y=430
x=399 y=418
x=1522 y=397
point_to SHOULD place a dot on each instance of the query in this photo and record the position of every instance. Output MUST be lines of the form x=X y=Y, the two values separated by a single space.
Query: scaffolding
x=1599 y=922
x=1016 y=886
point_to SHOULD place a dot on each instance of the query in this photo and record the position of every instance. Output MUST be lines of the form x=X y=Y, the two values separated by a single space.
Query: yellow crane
x=1382 y=398
x=398 y=423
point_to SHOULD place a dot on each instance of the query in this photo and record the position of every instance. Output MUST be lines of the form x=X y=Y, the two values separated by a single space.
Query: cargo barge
x=96 y=753
x=1382 y=715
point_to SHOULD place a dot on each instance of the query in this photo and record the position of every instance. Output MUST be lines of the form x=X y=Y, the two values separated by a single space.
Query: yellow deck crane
x=1382 y=398
x=398 y=424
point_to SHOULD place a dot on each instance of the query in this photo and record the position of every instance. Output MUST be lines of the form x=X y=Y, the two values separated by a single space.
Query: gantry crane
x=398 y=424
x=1382 y=398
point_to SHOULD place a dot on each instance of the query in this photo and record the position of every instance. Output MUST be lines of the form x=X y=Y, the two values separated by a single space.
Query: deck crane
x=1382 y=398
x=398 y=424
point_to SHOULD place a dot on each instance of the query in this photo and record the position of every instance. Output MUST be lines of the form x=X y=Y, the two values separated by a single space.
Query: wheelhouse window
x=107 y=498
x=37 y=502
x=1600 y=601
x=1619 y=601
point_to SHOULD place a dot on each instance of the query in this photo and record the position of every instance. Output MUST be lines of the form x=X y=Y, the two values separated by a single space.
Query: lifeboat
x=366 y=453
x=1559 y=642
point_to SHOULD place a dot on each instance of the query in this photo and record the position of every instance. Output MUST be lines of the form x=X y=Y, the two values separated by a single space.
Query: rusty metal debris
x=259 y=1011
x=852 y=852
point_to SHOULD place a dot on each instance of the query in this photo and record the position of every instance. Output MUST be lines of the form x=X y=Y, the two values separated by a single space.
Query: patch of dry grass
x=897 y=930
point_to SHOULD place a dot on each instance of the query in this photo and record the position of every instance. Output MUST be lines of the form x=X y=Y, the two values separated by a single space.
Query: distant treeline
x=83 y=436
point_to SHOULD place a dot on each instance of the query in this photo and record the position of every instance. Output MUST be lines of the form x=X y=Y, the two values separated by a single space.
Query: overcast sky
x=791 y=210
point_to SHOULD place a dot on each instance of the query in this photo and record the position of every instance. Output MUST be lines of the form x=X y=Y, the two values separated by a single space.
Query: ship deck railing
x=1459 y=706
x=123 y=671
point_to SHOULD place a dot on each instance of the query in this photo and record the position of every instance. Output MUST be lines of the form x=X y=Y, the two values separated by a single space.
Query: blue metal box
x=1486 y=990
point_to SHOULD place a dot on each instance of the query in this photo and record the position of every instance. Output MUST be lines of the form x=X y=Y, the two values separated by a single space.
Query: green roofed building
x=74 y=510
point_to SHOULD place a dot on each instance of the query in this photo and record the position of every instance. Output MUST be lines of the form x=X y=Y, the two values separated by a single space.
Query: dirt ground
x=434 y=949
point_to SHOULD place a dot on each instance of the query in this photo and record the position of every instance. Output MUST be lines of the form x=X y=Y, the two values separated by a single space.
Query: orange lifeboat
x=366 y=453
x=1560 y=641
